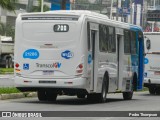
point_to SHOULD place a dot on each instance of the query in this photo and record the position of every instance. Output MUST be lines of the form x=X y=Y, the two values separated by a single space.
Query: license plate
x=48 y=72
x=157 y=72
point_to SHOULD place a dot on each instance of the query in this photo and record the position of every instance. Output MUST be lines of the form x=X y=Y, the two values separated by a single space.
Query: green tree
x=2 y=28
x=38 y=8
x=10 y=31
x=8 y=4
x=7 y=30
x=88 y=5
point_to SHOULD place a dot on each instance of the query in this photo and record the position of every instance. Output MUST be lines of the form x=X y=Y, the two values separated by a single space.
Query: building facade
x=145 y=13
x=122 y=10
x=22 y=6
x=7 y=19
x=153 y=16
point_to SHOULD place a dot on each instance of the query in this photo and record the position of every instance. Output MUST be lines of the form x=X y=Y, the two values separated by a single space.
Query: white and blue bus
x=77 y=53
x=151 y=61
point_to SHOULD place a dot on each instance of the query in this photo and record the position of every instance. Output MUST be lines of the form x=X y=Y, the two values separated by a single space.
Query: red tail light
x=80 y=66
x=79 y=69
x=16 y=65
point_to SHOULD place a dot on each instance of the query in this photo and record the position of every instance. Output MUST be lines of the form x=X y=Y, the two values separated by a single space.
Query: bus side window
x=88 y=36
x=111 y=40
x=133 y=43
x=103 y=41
x=127 y=42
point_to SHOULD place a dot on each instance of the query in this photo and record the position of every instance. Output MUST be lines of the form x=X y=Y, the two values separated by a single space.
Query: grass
x=6 y=70
x=8 y=90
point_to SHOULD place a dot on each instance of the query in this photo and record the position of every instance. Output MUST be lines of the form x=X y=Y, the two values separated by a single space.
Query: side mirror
x=148 y=44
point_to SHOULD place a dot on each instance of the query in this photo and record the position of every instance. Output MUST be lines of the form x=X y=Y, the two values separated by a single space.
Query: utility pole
x=72 y=4
x=131 y=11
x=42 y=5
x=117 y=12
x=111 y=9
x=30 y=5
x=63 y=4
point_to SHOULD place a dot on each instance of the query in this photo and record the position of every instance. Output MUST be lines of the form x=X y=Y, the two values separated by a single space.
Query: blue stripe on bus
x=139 y=70
x=141 y=67
x=135 y=28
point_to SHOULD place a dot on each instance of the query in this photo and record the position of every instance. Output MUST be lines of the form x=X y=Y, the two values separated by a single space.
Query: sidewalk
x=6 y=80
x=17 y=95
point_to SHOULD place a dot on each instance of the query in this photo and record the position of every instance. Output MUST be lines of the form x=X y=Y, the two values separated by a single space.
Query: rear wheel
x=100 y=97
x=158 y=91
x=152 y=90
x=134 y=83
x=81 y=95
x=51 y=96
x=92 y=97
x=41 y=95
x=127 y=95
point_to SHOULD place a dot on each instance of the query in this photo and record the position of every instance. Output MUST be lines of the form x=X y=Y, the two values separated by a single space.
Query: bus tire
x=158 y=91
x=102 y=96
x=127 y=95
x=152 y=90
x=41 y=95
x=81 y=95
x=92 y=97
x=134 y=83
x=51 y=96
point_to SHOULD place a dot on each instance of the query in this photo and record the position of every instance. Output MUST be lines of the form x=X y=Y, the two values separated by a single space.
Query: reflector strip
x=17 y=70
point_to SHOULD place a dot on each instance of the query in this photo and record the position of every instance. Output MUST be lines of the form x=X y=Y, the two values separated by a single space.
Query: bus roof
x=66 y=12
x=78 y=13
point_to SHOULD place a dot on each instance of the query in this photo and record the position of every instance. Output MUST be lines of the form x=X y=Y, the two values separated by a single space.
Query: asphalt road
x=6 y=81
x=142 y=101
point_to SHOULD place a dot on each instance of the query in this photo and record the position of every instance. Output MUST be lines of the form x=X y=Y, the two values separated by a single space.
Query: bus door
x=94 y=48
x=120 y=54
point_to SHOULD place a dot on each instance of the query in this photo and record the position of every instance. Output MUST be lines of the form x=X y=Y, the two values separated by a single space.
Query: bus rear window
x=48 y=31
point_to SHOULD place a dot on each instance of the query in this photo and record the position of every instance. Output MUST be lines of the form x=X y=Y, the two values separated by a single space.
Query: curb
x=5 y=73
x=17 y=95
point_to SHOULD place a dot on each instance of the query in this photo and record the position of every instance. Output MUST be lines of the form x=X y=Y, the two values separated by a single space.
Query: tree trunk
x=30 y=5
x=63 y=5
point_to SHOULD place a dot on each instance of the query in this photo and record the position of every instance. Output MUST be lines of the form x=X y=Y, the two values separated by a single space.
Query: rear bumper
x=60 y=91
x=30 y=84
x=151 y=82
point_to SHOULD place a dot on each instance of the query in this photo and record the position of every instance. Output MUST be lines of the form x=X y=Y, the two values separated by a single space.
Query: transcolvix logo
x=67 y=54
x=54 y=65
